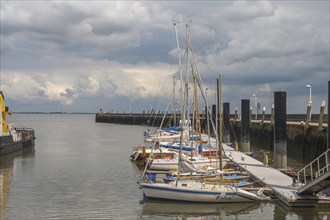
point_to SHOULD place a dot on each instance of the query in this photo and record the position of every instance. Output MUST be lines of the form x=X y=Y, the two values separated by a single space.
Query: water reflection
x=284 y=212
x=154 y=208
x=9 y=165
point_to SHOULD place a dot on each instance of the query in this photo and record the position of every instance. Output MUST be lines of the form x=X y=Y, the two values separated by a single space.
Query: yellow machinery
x=4 y=112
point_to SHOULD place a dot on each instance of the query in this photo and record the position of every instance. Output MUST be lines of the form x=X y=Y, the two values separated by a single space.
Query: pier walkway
x=318 y=172
x=317 y=185
x=283 y=185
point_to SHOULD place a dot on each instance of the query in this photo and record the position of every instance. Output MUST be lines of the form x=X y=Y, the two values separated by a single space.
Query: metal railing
x=316 y=168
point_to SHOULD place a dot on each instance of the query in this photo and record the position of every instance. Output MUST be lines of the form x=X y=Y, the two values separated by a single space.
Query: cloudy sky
x=78 y=56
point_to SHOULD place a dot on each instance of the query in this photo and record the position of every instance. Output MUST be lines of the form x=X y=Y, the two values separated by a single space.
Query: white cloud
x=21 y=86
x=93 y=79
x=125 y=51
x=265 y=88
x=26 y=88
x=240 y=11
x=59 y=93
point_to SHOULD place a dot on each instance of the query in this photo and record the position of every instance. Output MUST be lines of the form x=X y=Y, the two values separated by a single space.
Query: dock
x=309 y=135
x=285 y=187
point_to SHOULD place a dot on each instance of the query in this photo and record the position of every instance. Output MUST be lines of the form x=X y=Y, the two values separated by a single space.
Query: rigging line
x=156 y=98
x=148 y=160
x=165 y=112
x=161 y=89
x=200 y=84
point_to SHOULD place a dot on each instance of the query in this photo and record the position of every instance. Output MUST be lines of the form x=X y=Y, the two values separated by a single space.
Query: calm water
x=80 y=169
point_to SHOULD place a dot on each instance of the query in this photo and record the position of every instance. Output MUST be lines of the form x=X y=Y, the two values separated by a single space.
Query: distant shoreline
x=56 y=113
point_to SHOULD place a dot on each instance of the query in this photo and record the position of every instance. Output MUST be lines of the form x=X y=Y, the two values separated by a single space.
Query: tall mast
x=203 y=93
x=220 y=121
x=180 y=73
x=193 y=131
x=187 y=74
x=174 y=103
x=198 y=127
x=183 y=103
x=208 y=123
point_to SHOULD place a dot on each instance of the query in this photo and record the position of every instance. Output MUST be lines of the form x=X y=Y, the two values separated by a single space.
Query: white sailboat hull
x=172 y=164
x=202 y=163
x=197 y=193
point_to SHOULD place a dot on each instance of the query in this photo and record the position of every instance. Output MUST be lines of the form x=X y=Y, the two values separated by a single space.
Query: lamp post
x=310 y=94
x=255 y=103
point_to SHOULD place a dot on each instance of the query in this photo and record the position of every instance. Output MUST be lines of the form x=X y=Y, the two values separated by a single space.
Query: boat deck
x=283 y=185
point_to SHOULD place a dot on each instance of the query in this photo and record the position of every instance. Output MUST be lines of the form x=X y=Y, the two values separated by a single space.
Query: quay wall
x=304 y=143
x=156 y=119
x=133 y=119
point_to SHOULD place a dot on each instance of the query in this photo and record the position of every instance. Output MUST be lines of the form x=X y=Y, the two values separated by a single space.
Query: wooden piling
x=321 y=115
x=308 y=115
x=263 y=116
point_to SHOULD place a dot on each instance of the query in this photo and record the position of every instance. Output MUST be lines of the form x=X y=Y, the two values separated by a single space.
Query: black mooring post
x=328 y=114
x=207 y=116
x=280 y=145
x=245 y=128
x=226 y=122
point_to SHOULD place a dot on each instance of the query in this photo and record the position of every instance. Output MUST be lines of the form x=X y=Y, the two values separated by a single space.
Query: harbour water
x=80 y=169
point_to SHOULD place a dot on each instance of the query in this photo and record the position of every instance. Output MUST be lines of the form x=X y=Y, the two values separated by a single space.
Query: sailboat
x=197 y=190
x=141 y=153
x=193 y=163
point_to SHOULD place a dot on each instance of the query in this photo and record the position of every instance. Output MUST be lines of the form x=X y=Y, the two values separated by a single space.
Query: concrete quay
x=304 y=143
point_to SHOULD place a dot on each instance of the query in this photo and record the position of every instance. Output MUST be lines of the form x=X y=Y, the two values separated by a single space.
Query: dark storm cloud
x=118 y=52
x=68 y=93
